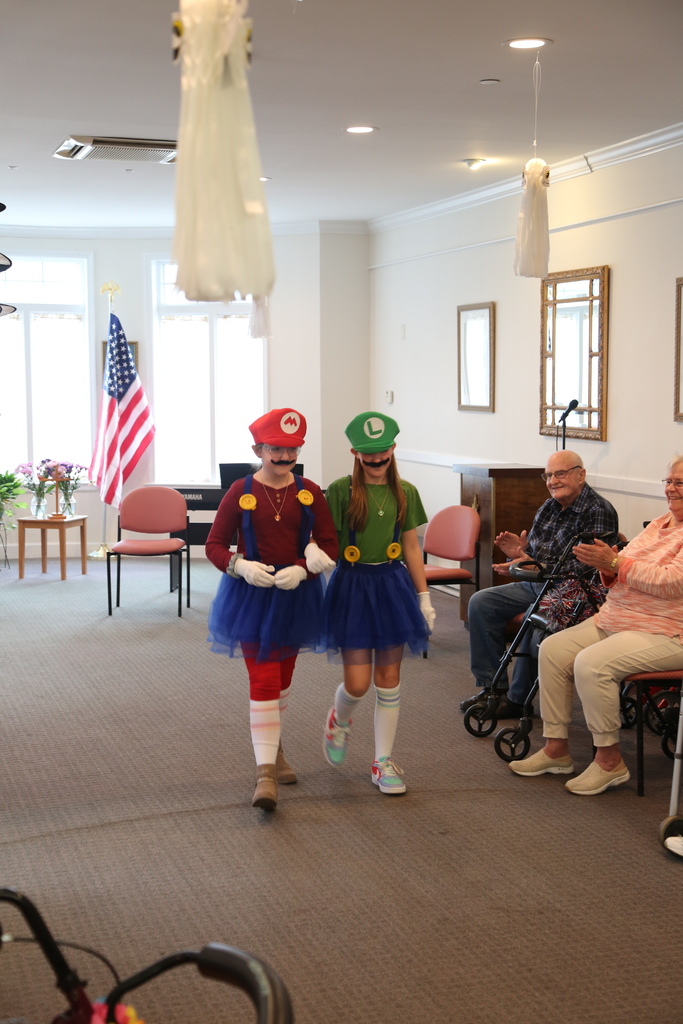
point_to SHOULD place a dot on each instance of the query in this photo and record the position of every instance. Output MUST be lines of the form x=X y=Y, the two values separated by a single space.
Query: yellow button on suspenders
x=394 y=551
x=305 y=497
x=247 y=502
x=351 y=553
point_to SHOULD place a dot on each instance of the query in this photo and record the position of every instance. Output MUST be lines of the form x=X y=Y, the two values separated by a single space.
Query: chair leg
x=118 y=581
x=109 y=581
x=180 y=584
x=187 y=573
x=640 y=760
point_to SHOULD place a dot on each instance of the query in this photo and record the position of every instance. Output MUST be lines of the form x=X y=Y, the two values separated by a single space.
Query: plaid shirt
x=554 y=527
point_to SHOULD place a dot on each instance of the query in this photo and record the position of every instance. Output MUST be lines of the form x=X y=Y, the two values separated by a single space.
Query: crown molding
x=587 y=163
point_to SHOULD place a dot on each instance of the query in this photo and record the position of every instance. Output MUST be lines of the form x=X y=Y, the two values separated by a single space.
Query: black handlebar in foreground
x=222 y=963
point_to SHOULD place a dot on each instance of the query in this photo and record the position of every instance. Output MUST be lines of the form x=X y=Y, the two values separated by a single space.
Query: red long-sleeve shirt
x=278 y=541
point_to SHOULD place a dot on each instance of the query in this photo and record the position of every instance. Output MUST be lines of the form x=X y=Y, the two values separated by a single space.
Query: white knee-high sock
x=386 y=719
x=344 y=703
x=264 y=718
x=284 y=701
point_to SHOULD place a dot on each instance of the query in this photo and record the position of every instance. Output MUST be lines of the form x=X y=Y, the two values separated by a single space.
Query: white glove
x=427 y=610
x=316 y=559
x=255 y=573
x=290 y=577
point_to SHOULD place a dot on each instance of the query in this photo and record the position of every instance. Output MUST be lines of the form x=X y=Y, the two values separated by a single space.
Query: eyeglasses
x=559 y=474
x=678 y=484
x=276 y=450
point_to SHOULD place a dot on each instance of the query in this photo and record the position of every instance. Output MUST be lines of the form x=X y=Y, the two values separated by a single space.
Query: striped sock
x=344 y=703
x=264 y=718
x=284 y=701
x=386 y=720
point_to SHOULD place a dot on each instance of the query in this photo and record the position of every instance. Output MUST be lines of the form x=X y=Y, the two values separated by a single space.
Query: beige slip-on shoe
x=596 y=779
x=540 y=764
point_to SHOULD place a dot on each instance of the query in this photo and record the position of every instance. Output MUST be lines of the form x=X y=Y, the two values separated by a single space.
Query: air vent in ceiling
x=155 y=151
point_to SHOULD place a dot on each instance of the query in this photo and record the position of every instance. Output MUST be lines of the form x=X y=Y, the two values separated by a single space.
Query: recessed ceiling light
x=526 y=43
x=263 y=178
x=474 y=162
x=489 y=81
x=361 y=129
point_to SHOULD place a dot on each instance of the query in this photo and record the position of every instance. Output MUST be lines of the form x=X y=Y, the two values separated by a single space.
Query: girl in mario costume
x=377 y=599
x=269 y=602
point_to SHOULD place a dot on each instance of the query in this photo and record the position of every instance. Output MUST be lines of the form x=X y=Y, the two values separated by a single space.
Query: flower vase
x=67 y=504
x=39 y=508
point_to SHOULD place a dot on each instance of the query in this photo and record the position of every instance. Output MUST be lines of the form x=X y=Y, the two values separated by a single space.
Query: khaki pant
x=597 y=661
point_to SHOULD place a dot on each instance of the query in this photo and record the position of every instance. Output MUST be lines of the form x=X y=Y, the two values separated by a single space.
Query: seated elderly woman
x=639 y=628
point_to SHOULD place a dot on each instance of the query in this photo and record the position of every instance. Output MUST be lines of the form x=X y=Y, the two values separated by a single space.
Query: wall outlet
x=389 y=397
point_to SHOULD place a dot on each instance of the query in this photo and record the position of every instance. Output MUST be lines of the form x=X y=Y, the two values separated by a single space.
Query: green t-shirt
x=379 y=530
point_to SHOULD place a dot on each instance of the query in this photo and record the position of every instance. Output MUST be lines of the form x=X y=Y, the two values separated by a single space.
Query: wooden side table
x=29 y=523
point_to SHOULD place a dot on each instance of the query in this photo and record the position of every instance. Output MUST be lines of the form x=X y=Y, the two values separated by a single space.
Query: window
x=45 y=380
x=208 y=383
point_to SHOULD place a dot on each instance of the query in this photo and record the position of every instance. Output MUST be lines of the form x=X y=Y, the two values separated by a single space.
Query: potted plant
x=11 y=486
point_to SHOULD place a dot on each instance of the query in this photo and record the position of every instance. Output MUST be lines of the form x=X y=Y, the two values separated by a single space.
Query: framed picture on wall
x=133 y=349
x=476 y=357
x=678 y=361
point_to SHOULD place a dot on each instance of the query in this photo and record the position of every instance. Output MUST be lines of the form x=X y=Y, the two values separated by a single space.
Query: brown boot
x=265 y=794
x=285 y=773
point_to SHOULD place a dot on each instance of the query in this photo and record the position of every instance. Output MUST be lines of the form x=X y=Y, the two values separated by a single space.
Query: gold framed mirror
x=678 y=361
x=574 y=336
x=476 y=357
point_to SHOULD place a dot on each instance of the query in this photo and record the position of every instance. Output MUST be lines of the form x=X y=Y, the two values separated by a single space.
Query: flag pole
x=100 y=553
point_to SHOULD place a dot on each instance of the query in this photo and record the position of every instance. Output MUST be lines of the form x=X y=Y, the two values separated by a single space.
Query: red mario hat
x=284 y=427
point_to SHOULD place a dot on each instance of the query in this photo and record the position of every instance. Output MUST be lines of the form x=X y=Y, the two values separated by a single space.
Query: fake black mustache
x=284 y=462
x=377 y=465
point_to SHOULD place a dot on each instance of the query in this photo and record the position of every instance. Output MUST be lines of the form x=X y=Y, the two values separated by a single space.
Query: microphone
x=570 y=408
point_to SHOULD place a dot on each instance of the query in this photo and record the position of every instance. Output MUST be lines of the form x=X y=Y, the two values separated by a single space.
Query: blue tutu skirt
x=373 y=607
x=266 y=623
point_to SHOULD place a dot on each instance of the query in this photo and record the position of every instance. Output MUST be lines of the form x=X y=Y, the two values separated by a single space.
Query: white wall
x=422 y=291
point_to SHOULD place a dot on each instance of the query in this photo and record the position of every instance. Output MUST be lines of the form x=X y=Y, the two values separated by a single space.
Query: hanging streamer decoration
x=532 y=248
x=222 y=237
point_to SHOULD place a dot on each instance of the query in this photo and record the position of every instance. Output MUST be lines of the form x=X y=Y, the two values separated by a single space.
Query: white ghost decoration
x=222 y=236
x=532 y=249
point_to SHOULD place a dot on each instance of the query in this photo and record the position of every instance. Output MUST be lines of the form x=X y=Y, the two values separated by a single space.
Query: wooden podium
x=507 y=497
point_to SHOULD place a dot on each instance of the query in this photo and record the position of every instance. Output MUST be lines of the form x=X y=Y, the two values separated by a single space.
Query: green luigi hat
x=372 y=432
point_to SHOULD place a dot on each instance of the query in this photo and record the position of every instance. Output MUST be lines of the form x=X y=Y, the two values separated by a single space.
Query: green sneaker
x=386 y=774
x=335 y=738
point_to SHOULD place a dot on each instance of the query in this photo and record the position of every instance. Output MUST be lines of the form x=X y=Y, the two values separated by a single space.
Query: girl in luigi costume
x=269 y=602
x=377 y=599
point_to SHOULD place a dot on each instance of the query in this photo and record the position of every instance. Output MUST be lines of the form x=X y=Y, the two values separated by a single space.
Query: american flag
x=126 y=426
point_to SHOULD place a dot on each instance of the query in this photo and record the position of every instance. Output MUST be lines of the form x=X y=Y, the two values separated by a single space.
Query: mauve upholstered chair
x=152 y=510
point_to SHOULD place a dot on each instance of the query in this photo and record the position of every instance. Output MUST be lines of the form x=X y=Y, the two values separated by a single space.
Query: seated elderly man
x=639 y=628
x=573 y=507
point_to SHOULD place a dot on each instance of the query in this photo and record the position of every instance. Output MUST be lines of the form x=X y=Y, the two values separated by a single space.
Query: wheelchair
x=220 y=963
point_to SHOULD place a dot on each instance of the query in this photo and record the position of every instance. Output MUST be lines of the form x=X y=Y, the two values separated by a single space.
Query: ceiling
x=83 y=67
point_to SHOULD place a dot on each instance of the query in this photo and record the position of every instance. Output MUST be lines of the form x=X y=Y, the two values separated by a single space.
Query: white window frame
x=84 y=310
x=211 y=310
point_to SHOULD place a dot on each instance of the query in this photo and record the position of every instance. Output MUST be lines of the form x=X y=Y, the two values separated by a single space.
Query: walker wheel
x=672 y=826
x=479 y=721
x=657 y=707
x=669 y=745
x=510 y=746
x=628 y=712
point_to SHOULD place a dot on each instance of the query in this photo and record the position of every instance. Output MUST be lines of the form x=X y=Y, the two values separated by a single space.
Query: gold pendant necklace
x=278 y=517
x=380 y=508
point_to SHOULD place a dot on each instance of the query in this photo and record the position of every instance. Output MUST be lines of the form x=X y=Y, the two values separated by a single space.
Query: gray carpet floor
x=125 y=787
